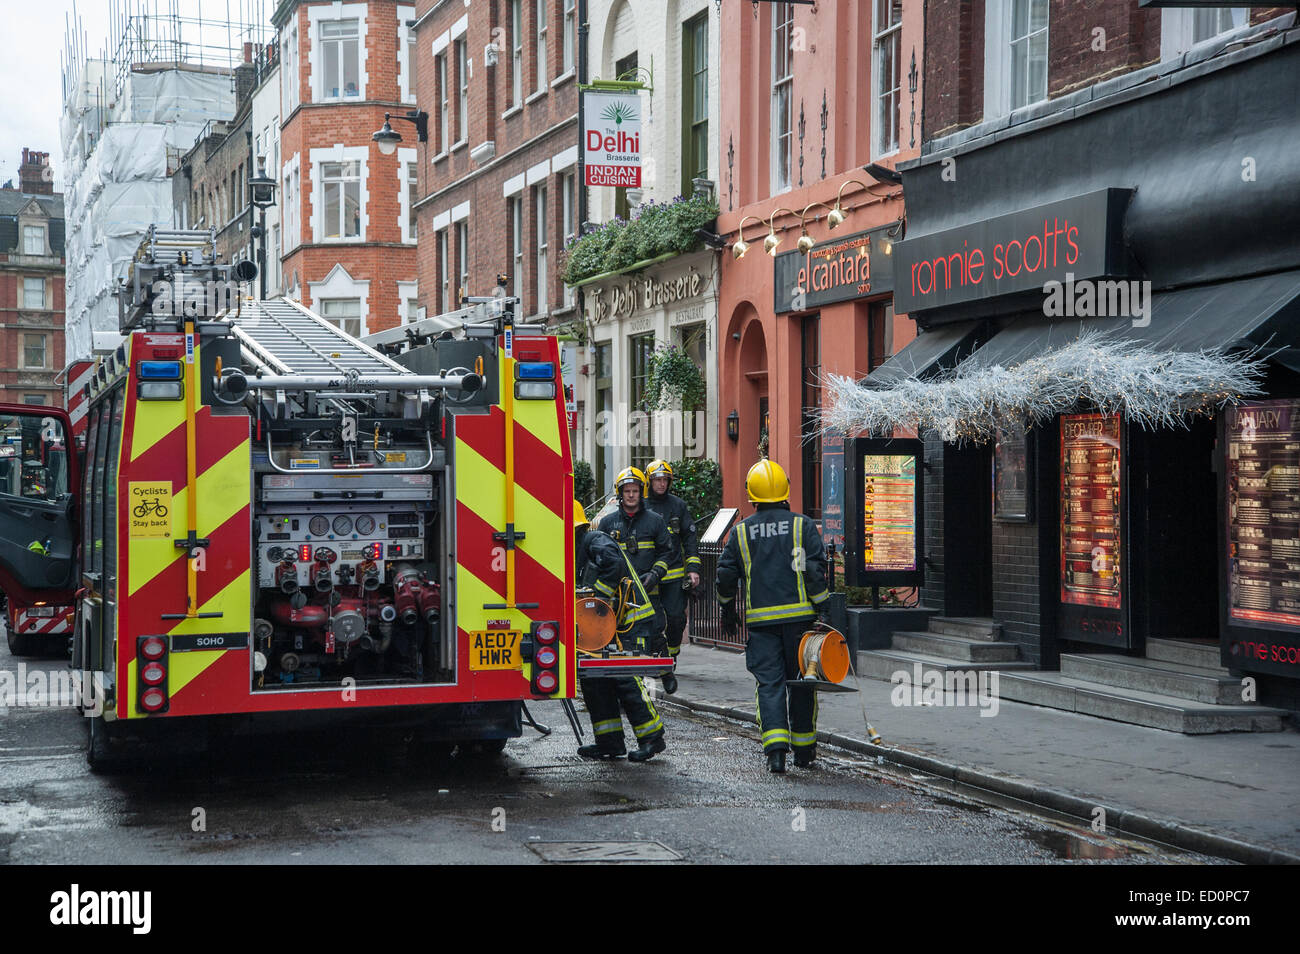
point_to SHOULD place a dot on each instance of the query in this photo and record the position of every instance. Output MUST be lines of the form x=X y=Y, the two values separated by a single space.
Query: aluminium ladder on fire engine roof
x=282 y=337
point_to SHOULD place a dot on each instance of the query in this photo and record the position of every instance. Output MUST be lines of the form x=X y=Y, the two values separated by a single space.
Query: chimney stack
x=36 y=175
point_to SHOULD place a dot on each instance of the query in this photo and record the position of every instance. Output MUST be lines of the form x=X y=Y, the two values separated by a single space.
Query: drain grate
x=603 y=851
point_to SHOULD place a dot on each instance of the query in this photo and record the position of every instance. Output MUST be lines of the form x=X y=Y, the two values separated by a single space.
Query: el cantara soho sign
x=611 y=139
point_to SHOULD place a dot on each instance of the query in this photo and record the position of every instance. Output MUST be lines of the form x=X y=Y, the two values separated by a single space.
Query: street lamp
x=261 y=191
x=387 y=137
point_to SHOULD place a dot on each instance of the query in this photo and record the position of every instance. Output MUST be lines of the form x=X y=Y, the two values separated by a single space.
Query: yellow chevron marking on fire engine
x=471 y=594
x=154 y=420
x=233 y=601
x=223 y=491
x=538 y=417
x=480 y=488
x=183 y=668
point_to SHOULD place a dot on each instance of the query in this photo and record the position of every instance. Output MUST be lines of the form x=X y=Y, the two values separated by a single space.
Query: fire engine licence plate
x=495 y=649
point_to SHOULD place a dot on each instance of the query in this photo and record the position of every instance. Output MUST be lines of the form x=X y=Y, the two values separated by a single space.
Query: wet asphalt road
x=368 y=797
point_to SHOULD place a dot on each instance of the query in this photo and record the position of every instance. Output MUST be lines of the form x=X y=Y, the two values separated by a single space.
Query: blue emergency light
x=159 y=370
x=535 y=371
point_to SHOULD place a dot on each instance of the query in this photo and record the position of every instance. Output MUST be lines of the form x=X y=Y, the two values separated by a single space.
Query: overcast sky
x=30 y=73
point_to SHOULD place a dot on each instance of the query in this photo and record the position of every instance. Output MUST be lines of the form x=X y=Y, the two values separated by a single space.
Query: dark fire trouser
x=673 y=598
x=603 y=697
x=770 y=656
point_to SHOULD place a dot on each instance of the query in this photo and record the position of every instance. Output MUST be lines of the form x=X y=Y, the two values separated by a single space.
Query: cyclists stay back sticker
x=150 y=507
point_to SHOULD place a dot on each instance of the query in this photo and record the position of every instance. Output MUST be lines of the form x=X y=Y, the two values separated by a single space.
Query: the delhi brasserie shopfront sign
x=1014 y=253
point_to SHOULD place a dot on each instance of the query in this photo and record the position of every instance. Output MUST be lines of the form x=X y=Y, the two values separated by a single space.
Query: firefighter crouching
x=602 y=566
x=683 y=566
x=778 y=559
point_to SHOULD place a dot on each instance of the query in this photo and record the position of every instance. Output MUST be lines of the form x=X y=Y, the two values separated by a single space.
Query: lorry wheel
x=483 y=748
x=19 y=644
x=101 y=754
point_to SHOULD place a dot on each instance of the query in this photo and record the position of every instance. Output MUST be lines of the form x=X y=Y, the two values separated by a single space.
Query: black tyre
x=483 y=748
x=101 y=751
x=19 y=643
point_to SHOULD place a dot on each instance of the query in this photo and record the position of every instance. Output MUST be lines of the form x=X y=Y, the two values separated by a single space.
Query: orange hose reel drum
x=824 y=655
x=596 y=622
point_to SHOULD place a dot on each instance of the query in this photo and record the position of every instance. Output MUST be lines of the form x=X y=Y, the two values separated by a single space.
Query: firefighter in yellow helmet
x=603 y=566
x=776 y=559
x=684 y=564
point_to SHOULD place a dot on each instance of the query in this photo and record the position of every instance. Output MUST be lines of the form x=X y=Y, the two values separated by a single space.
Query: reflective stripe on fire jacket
x=681 y=534
x=781 y=558
x=602 y=565
x=643 y=537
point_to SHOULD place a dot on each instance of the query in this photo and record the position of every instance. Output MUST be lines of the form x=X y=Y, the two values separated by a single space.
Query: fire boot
x=804 y=756
x=650 y=747
x=615 y=750
x=669 y=682
x=776 y=761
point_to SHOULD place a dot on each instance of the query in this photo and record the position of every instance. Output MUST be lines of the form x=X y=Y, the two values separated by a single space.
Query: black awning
x=1261 y=312
x=929 y=352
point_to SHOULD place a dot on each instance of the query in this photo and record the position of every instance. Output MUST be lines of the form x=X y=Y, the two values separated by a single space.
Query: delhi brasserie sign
x=611 y=138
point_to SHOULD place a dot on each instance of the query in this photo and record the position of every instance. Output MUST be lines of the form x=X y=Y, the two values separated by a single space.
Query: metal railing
x=704 y=617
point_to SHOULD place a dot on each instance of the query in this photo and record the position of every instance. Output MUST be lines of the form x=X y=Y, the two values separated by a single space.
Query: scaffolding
x=165 y=70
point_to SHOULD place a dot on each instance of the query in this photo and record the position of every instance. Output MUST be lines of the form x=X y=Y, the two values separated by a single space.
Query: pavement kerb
x=1131 y=822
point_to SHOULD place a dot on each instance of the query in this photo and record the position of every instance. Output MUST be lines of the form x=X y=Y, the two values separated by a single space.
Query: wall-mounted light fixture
x=806 y=241
x=837 y=215
x=733 y=425
x=387 y=137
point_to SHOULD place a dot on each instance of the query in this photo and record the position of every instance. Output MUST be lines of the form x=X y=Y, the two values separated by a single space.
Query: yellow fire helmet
x=766 y=482
x=660 y=468
x=626 y=477
x=579 y=516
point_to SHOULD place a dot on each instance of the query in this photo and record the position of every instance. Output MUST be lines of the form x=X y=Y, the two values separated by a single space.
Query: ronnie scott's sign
x=1013 y=253
x=838 y=269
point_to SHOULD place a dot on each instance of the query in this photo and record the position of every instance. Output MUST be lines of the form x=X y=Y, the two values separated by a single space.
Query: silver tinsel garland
x=1098 y=373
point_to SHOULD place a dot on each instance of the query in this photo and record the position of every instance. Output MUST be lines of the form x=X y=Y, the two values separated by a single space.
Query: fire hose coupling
x=321 y=577
x=369 y=573
x=286 y=577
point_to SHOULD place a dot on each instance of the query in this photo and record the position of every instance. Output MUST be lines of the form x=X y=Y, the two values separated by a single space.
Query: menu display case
x=884 y=527
x=1263 y=513
x=1091 y=540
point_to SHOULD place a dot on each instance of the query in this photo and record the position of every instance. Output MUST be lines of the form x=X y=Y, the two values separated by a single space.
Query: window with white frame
x=516 y=52
x=516 y=247
x=407 y=298
x=1028 y=52
x=543 y=246
x=34 y=351
x=568 y=219
x=408 y=61
x=289 y=69
x=462 y=98
x=33 y=293
x=444 y=274
x=887 y=55
x=539 y=67
x=341 y=58
x=782 y=95
x=343 y=313
x=341 y=212
x=462 y=257
x=1180 y=30
x=273 y=260
x=569 y=37
x=33 y=240
x=444 y=102
x=412 y=196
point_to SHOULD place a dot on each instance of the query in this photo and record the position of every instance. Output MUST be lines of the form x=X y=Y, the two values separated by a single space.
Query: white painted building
x=672 y=47
x=266 y=148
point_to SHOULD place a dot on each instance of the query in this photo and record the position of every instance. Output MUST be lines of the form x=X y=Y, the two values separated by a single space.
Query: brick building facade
x=32 y=262
x=348 y=241
x=498 y=176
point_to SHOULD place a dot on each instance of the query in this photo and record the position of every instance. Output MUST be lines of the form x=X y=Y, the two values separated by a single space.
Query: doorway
x=968 y=530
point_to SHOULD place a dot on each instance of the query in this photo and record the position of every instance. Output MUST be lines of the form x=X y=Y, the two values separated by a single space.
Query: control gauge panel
x=346 y=537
